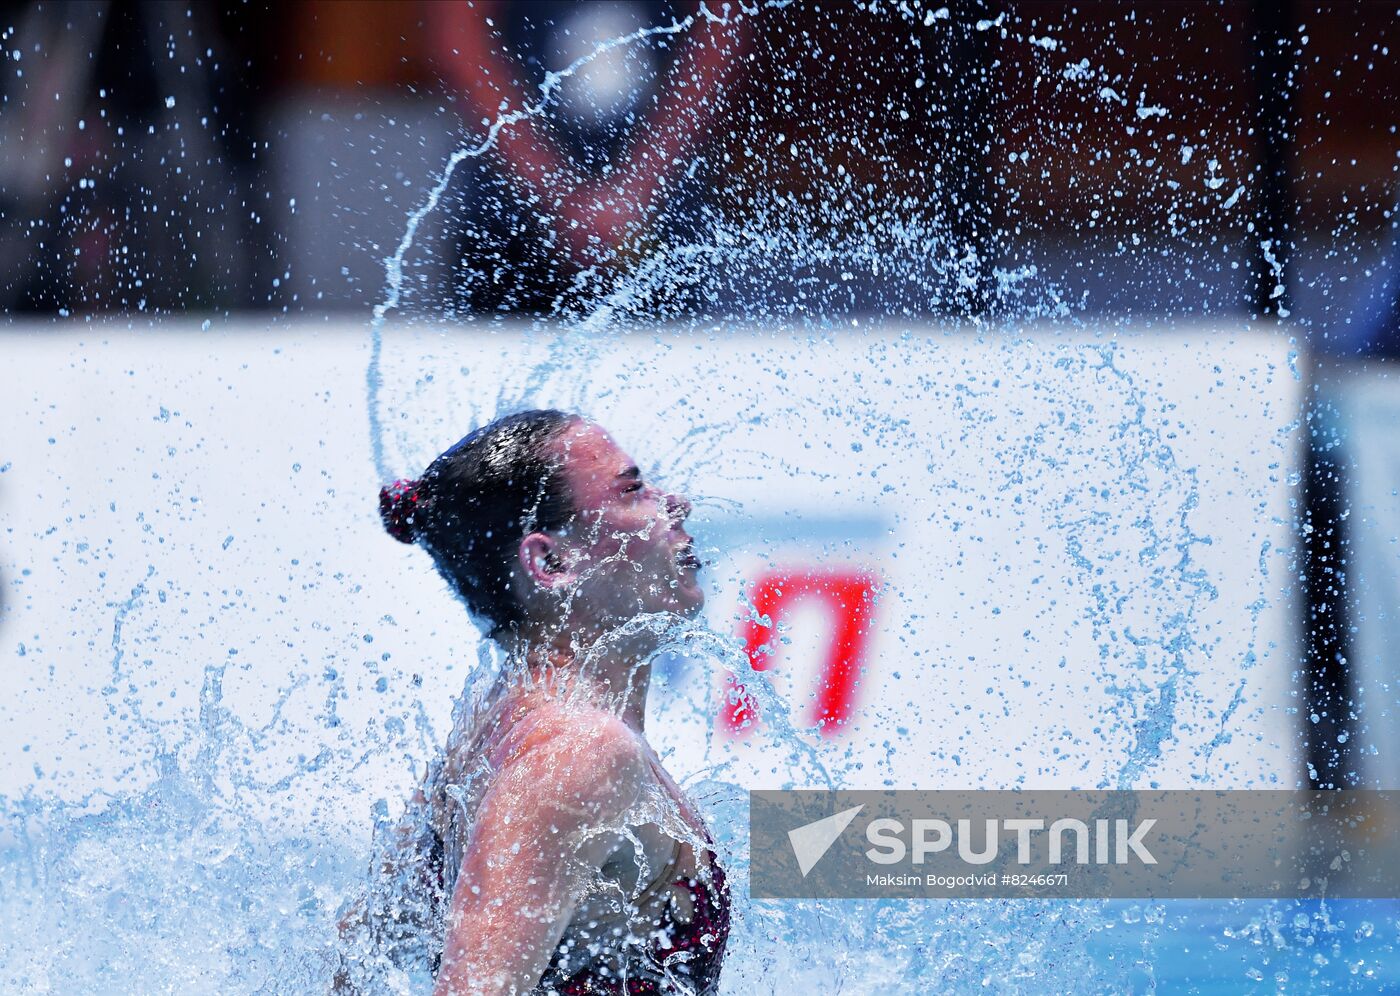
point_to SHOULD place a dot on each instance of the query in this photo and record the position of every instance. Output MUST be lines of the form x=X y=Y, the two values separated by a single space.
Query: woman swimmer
x=548 y=850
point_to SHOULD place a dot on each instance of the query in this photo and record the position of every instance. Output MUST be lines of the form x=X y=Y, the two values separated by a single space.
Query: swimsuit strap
x=666 y=878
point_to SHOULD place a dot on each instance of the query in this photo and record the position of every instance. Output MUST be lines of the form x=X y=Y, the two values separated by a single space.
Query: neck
x=610 y=670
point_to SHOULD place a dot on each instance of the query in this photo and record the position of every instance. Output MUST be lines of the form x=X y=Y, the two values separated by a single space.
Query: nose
x=677 y=509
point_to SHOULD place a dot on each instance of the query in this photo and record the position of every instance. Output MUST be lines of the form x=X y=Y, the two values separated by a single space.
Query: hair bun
x=399 y=505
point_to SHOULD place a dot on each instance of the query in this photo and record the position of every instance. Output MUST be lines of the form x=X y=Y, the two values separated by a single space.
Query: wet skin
x=563 y=773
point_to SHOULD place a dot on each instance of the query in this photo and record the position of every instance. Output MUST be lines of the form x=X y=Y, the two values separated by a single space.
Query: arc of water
x=394 y=265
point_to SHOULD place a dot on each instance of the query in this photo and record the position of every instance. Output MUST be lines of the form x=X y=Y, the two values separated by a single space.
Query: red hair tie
x=398 y=504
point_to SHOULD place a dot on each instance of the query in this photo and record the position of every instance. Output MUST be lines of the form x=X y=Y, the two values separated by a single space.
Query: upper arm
x=530 y=849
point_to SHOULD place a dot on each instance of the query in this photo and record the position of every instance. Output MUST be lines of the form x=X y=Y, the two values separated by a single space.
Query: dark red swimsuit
x=683 y=957
x=689 y=957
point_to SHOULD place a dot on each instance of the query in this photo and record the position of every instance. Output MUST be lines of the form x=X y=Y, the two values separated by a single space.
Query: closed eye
x=634 y=486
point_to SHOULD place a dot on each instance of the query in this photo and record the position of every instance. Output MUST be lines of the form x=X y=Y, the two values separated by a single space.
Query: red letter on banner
x=849 y=597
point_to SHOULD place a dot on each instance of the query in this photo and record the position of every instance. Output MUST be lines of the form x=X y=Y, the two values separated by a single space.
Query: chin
x=691 y=606
x=678 y=596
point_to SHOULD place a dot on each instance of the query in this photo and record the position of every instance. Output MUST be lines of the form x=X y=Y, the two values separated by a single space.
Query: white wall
x=1368 y=403
x=175 y=500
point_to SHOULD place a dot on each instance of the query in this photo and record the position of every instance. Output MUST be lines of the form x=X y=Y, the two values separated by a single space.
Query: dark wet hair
x=474 y=504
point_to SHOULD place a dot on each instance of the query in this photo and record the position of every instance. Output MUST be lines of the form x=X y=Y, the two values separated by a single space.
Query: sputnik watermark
x=1115 y=841
x=812 y=840
x=1068 y=844
x=988 y=881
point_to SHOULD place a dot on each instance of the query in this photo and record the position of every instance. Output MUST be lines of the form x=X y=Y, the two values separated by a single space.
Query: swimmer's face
x=626 y=552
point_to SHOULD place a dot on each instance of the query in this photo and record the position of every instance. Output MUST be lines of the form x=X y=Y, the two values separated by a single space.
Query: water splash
x=116 y=891
x=547 y=93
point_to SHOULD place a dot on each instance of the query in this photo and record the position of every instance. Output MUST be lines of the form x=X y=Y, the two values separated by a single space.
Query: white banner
x=995 y=560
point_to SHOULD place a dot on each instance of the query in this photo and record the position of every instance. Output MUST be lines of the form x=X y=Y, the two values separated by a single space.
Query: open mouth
x=686 y=557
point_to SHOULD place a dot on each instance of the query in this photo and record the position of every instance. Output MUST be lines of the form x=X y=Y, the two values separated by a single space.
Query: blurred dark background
x=167 y=157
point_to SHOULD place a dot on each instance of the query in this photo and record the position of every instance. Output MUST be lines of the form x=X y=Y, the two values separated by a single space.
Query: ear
x=541 y=562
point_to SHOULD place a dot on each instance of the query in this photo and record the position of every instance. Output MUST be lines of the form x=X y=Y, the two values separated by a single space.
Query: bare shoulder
x=577 y=758
x=571 y=723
